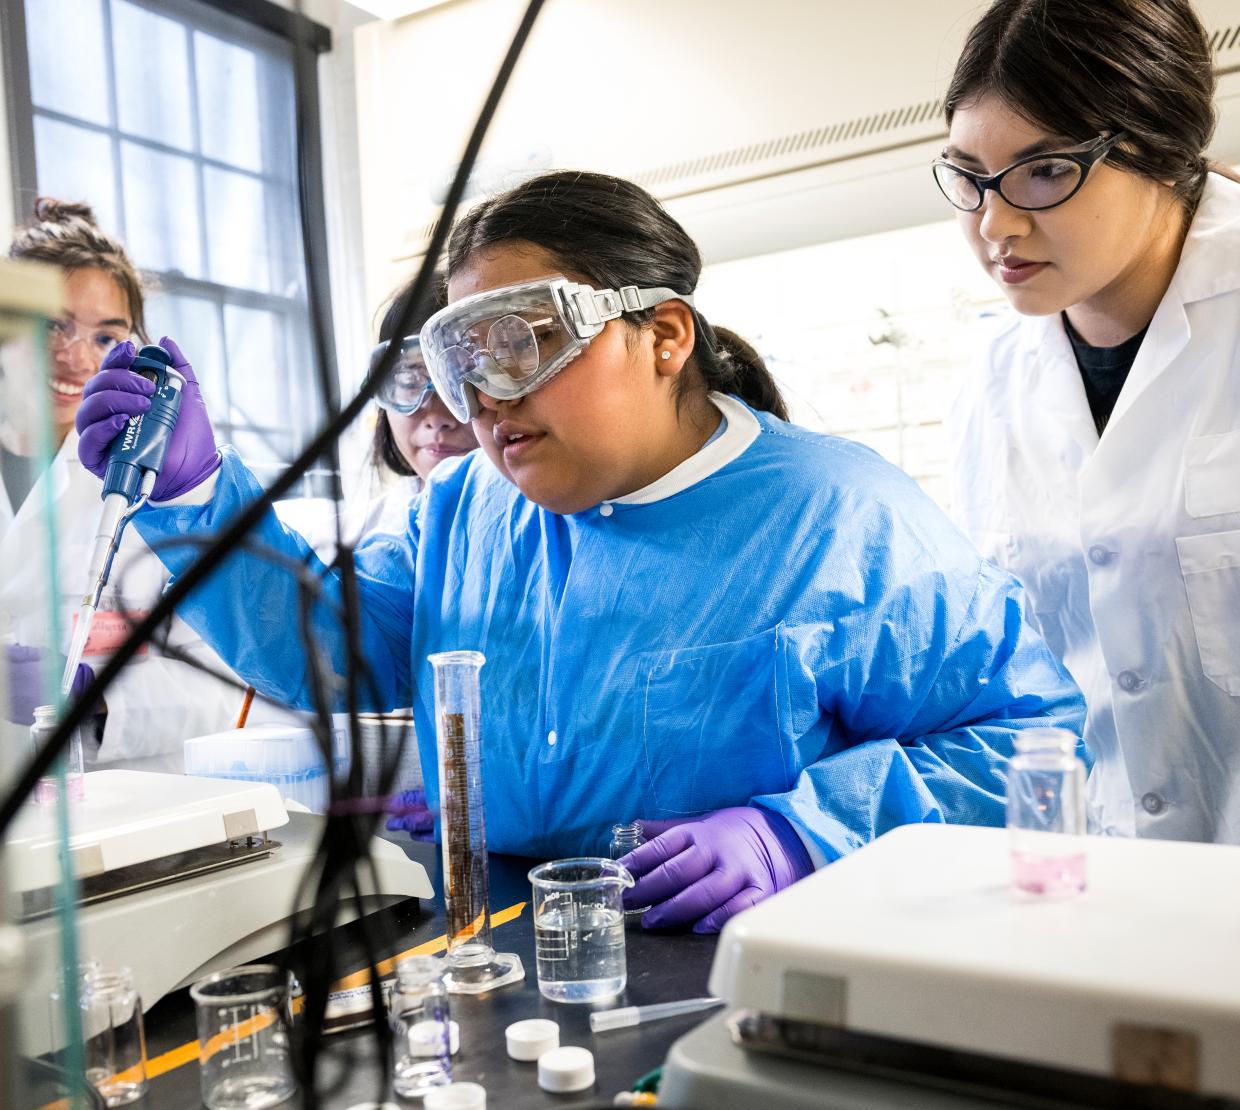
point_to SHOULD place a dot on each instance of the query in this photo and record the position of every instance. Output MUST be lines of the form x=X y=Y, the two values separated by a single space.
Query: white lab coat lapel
x=1053 y=385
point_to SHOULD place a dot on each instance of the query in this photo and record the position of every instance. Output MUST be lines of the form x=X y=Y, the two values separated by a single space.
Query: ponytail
x=727 y=363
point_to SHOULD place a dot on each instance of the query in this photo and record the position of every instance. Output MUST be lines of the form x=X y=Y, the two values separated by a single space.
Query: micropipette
x=134 y=461
x=624 y=1016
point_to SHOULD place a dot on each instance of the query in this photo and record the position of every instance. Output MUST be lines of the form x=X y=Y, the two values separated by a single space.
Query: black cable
x=196 y=573
x=44 y=1072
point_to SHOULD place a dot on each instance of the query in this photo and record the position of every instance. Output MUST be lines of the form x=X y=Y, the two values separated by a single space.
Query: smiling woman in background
x=157 y=702
x=1099 y=449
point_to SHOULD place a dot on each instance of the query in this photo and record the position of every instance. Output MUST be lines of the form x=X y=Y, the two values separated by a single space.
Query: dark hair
x=1083 y=67
x=613 y=233
x=67 y=235
x=384 y=452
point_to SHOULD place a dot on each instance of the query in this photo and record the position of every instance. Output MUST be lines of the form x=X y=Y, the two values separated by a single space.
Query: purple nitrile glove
x=410 y=813
x=705 y=871
x=114 y=395
x=26 y=683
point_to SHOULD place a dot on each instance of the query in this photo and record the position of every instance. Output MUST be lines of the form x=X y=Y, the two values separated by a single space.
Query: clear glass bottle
x=115 y=1041
x=48 y=788
x=626 y=836
x=1046 y=814
x=421 y=1022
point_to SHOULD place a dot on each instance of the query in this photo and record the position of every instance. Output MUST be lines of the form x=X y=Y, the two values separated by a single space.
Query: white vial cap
x=528 y=1040
x=455 y=1096
x=565 y=1069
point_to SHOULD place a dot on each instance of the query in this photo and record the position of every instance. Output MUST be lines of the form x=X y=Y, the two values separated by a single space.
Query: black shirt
x=1103 y=370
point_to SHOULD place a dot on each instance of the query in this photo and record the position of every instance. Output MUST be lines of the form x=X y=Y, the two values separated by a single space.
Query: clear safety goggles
x=63 y=333
x=510 y=341
x=407 y=386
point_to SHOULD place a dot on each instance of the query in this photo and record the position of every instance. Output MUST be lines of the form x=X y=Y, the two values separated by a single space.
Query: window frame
x=312 y=318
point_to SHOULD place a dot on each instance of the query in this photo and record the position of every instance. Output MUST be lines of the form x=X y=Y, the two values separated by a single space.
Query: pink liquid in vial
x=47 y=790
x=1048 y=876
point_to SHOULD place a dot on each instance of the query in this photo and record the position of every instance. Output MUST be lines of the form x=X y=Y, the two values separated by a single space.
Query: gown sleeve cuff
x=199 y=495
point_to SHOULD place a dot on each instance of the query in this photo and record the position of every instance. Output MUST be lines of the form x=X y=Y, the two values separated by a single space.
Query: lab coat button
x=1152 y=803
x=552 y=738
x=1129 y=680
x=605 y=509
x=1099 y=555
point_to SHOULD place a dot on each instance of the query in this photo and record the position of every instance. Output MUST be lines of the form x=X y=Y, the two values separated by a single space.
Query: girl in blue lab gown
x=687 y=604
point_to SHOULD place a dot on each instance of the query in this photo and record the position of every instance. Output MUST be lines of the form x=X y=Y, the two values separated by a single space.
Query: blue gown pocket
x=712 y=720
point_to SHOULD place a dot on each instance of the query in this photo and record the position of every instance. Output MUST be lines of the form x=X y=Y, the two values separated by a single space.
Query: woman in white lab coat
x=157 y=702
x=1099 y=446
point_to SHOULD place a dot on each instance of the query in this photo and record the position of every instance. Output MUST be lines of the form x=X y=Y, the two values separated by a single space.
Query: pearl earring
x=665 y=355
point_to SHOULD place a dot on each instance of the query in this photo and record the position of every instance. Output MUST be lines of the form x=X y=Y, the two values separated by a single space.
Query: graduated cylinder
x=474 y=965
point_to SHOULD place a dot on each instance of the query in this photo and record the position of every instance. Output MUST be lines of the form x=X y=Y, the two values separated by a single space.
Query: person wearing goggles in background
x=1098 y=447
x=158 y=701
x=415 y=430
x=767 y=642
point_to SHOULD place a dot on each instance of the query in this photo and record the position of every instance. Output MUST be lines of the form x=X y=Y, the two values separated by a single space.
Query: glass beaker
x=421 y=1023
x=473 y=964
x=243 y=1037
x=112 y=1027
x=1046 y=813
x=579 y=928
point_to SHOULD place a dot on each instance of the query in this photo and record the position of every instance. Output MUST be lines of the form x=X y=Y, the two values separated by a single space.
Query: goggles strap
x=608 y=304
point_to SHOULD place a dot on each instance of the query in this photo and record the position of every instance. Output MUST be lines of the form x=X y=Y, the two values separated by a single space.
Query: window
x=869 y=338
x=176 y=122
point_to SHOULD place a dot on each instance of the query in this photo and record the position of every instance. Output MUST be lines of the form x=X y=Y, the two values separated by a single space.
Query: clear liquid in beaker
x=580 y=952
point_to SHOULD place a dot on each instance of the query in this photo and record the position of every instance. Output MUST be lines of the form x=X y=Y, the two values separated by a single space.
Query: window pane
x=161 y=210
x=68 y=64
x=258 y=353
x=152 y=75
x=196 y=326
x=237 y=216
x=228 y=118
x=72 y=163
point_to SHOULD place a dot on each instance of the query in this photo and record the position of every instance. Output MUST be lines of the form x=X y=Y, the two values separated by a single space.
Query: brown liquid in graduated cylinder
x=466 y=881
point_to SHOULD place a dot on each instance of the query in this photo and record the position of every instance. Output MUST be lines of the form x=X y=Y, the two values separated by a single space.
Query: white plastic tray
x=916 y=937
x=130 y=817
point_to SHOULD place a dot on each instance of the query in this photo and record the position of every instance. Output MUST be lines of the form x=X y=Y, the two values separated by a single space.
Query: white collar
x=742 y=429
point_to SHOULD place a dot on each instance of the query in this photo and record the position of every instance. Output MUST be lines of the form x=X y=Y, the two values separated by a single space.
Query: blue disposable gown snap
x=803 y=629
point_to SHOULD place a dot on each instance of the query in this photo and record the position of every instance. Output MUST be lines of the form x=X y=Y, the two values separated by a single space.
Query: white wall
x=620 y=86
x=651 y=90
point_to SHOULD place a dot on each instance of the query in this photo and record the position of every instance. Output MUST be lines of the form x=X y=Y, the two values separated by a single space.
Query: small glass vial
x=115 y=1041
x=624 y=838
x=48 y=788
x=1046 y=814
x=421 y=1022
